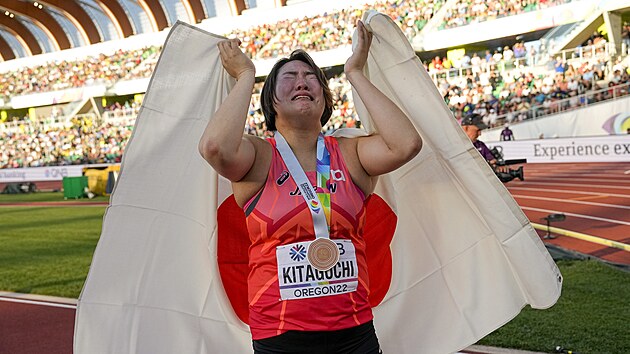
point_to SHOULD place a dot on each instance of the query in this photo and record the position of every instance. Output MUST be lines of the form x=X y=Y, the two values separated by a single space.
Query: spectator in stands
x=559 y=65
x=436 y=64
x=625 y=34
x=519 y=50
x=508 y=56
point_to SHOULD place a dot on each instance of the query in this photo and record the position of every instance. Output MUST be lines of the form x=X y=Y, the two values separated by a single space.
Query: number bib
x=300 y=280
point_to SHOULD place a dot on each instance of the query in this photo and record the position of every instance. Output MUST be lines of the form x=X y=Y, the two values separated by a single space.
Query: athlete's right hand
x=235 y=62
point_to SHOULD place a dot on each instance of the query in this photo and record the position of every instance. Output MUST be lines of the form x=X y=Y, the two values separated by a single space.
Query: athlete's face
x=298 y=92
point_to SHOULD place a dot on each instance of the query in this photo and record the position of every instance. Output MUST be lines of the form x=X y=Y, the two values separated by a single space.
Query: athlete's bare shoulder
x=255 y=178
x=358 y=174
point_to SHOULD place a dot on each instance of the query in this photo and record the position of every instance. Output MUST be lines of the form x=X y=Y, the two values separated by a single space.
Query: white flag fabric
x=466 y=259
x=167 y=277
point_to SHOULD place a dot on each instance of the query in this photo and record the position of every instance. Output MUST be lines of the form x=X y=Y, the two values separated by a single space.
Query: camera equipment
x=510 y=174
x=497 y=153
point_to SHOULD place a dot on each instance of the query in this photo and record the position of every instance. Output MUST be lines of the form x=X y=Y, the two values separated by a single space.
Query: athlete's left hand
x=359 y=56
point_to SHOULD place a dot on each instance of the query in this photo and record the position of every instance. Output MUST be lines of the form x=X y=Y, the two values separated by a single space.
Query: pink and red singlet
x=277 y=216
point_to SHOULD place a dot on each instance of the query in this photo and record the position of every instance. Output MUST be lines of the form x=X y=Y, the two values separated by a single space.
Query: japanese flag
x=451 y=257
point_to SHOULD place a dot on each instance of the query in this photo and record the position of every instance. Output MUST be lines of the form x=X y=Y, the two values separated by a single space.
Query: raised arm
x=223 y=144
x=397 y=140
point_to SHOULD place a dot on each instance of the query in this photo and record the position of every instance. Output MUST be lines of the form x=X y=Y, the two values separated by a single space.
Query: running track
x=595 y=197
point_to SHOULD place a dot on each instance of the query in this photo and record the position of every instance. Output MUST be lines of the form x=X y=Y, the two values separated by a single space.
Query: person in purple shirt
x=472 y=126
x=507 y=134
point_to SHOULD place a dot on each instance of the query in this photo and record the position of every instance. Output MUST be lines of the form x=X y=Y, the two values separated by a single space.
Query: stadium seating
x=504 y=85
x=465 y=12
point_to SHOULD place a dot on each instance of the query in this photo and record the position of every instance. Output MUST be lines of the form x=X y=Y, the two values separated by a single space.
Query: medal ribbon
x=318 y=203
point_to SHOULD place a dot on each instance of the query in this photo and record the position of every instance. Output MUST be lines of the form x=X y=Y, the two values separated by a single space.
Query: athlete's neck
x=303 y=143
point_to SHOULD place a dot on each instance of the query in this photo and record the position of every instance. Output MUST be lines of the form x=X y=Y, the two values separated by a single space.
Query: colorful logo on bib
x=315 y=206
x=297 y=253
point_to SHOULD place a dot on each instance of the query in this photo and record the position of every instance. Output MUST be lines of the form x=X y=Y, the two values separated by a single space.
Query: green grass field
x=46 y=250
x=591 y=315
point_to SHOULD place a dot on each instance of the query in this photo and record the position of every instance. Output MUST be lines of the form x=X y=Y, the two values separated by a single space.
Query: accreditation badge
x=298 y=279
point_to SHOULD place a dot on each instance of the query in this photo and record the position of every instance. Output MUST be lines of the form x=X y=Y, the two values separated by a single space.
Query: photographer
x=473 y=125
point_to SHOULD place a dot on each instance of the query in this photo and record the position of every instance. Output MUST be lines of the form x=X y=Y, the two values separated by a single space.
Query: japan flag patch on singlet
x=299 y=280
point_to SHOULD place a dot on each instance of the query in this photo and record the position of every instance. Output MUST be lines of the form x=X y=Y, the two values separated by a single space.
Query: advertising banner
x=36 y=174
x=615 y=148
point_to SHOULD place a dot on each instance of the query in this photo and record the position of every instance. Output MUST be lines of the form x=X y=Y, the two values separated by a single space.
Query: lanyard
x=318 y=203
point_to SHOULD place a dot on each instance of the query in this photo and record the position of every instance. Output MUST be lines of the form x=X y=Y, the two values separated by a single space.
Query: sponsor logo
x=297 y=253
x=315 y=206
x=12 y=175
x=296 y=191
x=56 y=172
x=579 y=150
x=617 y=124
x=283 y=178
x=332 y=188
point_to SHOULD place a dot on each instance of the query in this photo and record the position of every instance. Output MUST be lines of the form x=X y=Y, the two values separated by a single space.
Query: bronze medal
x=323 y=254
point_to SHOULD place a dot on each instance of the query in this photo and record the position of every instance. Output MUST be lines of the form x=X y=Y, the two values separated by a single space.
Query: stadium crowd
x=312 y=33
x=496 y=84
x=81 y=143
x=465 y=12
x=103 y=69
x=499 y=98
x=331 y=30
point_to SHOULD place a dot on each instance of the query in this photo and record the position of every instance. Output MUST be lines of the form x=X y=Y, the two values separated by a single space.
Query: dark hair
x=268 y=94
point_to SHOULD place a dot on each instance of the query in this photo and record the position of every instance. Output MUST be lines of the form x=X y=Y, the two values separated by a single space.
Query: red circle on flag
x=233 y=245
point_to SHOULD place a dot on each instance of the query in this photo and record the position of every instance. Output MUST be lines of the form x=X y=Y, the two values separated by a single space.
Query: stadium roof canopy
x=29 y=27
